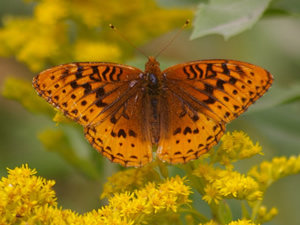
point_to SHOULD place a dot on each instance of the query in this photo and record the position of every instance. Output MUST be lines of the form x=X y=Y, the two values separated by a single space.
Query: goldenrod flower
x=26 y=198
x=211 y=194
x=227 y=184
x=269 y=172
x=129 y=180
x=153 y=199
x=85 y=50
x=242 y=222
x=21 y=192
x=264 y=216
x=49 y=12
x=238 y=222
x=66 y=31
x=236 y=146
x=211 y=222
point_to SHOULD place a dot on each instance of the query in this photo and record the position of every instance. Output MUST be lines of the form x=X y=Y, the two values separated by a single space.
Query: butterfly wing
x=202 y=96
x=102 y=97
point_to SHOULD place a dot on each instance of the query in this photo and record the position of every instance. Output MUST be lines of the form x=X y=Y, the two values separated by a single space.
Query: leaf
x=227 y=17
x=291 y=6
x=291 y=100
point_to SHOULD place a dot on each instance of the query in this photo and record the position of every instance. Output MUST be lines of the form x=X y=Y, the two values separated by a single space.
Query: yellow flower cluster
x=65 y=31
x=129 y=180
x=269 y=172
x=264 y=216
x=220 y=184
x=147 y=204
x=236 y=146
x=21 y=193
x=141 y=195
x=238 y=222
x=217 y=183
x=28 y=199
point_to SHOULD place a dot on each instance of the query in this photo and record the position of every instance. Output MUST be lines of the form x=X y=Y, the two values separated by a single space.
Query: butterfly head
x=152 y=66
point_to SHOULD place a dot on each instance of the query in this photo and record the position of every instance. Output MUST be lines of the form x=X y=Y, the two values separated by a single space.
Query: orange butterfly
x=182 y=110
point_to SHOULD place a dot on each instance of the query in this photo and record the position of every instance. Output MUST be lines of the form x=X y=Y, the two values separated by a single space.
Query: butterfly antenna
x=176 y=35
x=115 y=29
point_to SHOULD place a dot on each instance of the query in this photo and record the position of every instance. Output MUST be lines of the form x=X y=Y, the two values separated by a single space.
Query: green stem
x=255 y=210
x=195 y=182
x=201 y=217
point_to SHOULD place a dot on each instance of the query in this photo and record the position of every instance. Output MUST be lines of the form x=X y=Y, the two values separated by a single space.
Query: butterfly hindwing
x=122 y=138
x=190 y=133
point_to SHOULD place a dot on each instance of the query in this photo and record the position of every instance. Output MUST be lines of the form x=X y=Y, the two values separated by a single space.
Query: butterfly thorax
x=153 y=91
x=153 y=76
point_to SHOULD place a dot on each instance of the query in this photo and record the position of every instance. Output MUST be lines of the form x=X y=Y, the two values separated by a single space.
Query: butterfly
x=125 y=112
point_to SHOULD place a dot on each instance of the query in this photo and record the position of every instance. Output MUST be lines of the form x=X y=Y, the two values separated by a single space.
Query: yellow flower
x=21 y=192
x=264 y=216
x=55 y=32
x=268 y=172
x=129 y=179
x=49 y=12
x=168 y=196
x=238 y=222
x=28 y=199
x=211 y=222
x=242 y=222
x=208 y=172
x=85 y=50
x=236 y=146
x=238 y=186
x=227 y=184
x=211 y=194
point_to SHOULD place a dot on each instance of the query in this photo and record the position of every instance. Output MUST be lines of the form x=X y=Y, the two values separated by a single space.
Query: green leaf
x=291 y=100
x=227 y=17
x=290 y=6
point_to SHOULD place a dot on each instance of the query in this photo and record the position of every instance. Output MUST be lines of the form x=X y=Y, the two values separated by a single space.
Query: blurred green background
x=274 y=121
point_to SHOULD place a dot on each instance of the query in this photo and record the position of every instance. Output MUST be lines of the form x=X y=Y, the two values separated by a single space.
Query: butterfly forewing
x=223 y=89
x=86 y=91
